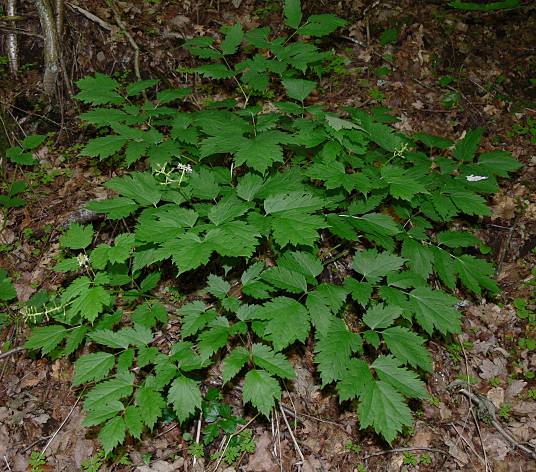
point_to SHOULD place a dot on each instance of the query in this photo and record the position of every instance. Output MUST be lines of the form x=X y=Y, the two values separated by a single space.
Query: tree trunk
x=51 y=46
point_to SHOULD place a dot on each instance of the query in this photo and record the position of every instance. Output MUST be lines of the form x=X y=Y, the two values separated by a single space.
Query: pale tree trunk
x=11 y=40
x=51 y=46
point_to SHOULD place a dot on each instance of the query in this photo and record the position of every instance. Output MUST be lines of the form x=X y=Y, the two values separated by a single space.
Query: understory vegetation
x=286 y=228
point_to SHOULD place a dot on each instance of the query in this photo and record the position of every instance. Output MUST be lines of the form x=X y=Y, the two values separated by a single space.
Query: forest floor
x=442 y=71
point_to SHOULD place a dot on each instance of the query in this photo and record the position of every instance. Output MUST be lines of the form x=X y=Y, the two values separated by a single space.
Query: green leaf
x=376 y=223
x=466 y=148
x=292 y=201
x=401 y=185
x=218 y=286
x=383 y=408
x=476 y=274
x=361 y=291
x=233 y=38
x=213 y=339
x=470 y=203
x=261 y=151
x=296 y=228
x=321 y=25
x=261 y=390
x=457 y=239
x=273 y=362
x=389 y=370
x=185 y=396
x=374 y=265
x=104 y=146
x=17 y=156
x=92 y=367
x=233 y=363
x=114 y=389
x=77 y=236
x=102 y=413
x=150 y=404
x=133 y=421
x=33 y=141
x=46 y=338
x=137 y=336
x=74 y=339
x=7 y=290
x=287 y=322
x=115 y=208
x=380 y=316
x=418 y=257
x=285 y=279
x=140 y=187
x=445 y=268
x=98 y=90
x=355 y=381
x=195 y=317
x=90 y=303
x=435 y=309
x=107 y=337
x=407 y=347
x=333 y=351
x=248 y=186
x=227 y=209
x=138 y=87
x=112 y=434
x=215 y=71
x=298 y=89
x=293 y=13
x=500 y=163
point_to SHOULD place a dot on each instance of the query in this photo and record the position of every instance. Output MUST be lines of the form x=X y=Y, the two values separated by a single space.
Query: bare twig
x=11 y=40
x=198 y=434
x=9 y=353
x=469 y=445
x=51 y=46
x=406 y=449
x=7 y=463
x=296 y=446
x=62 y=424
x=20 y=31
x=91 y=16
x=131 y=40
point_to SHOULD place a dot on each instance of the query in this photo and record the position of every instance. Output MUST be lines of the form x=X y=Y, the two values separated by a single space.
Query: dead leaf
x=496 y=396
x=262 y=460
x=495 y=368
x=514 y=389
x=504 y=208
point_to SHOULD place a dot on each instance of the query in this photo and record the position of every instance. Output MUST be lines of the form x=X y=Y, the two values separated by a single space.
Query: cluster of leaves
x=263 y=202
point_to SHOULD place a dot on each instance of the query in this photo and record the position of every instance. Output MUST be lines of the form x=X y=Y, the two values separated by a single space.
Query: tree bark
x=51 y=46
x=12 y=41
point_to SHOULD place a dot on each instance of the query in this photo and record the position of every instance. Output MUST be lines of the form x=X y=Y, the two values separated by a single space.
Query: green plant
x=94 y=463
x=37 y=460
x=484 y=7
x=255 y=206
x=531 y=394
x=495 y=381
x=353 y=447
x=409 y=458
x=425 y=459
x=504 y=411
x=196 y=450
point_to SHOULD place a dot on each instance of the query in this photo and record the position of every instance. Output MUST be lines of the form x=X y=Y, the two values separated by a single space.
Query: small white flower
x=184 y=168
x=475 y=178
x=83 y=260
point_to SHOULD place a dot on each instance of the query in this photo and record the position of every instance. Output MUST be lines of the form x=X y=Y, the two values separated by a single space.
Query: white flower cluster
x=184 y=168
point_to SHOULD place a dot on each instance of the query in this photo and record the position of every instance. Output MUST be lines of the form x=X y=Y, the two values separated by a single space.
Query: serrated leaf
x=274 y=363
x=435 y=309
x=381 y=316
x=112 y=434
x=333 y=351
x=321 y=25
x=261 y=151
x=74 y=339
x=374 y=265
x=214 y=338
x=361 y=291
x=457 y=239
x=46 y=338
x=405 y=381
x=476 y=274
x=7 y=290
x=293 y=13
x=90 y=303
x=355 y=380
x=150 y=404
x=418 y=257
x=137 y=87
x=465 y=149
x=285 y=279
x=136 y=336
x=114 y=389
x=296 y=228
x=104 y=146
x=445 y=268
x=133 y=421
x=107 y=337
x=383 y=408
x=500 y=163
x=376 y=223
x=287 y=321
x=298 y=89
x=218 y=286
x=77 y=236
x=92 y=367
x=115 y=208
x=407 y=347
x=233 y=38
x=33 y=141
x=261 y=390
x=98 y=90
x=170 y=95
x=248 y=186
x=401 y=185
x=140 y=187
x=470 y=203
x=227 y=209
x=102 y=413
x=233 y=363
x=185 y=397
x=214 y=71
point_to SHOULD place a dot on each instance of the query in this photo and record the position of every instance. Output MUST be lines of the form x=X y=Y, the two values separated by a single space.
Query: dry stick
x=7 y=463
x=90 y=16
x=486 y=464
x=62 y=424
x=133 y=43
x=236 y=433
x=3 y=355
x=51 y=46
x=198 y=435
x=469 y=445
x=20 y=31
x=11 y=40
x=406 y=449
x=296 y=446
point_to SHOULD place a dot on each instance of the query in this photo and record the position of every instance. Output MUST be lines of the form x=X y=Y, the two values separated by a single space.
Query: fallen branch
x=9 y=353
x=406 y=449
x=91 y=16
